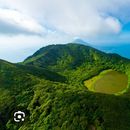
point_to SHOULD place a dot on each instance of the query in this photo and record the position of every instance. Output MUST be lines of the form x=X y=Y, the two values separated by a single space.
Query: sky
x=27 y=25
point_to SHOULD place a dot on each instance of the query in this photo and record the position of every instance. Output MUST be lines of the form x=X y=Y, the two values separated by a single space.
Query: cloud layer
x=77 y=18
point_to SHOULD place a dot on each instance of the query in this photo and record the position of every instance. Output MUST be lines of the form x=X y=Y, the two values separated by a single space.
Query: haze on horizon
x=26 y=26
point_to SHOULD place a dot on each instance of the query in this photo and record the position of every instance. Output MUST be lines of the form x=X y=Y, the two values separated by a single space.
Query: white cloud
x=14 y=21
x=113 y=24
x=74 y=17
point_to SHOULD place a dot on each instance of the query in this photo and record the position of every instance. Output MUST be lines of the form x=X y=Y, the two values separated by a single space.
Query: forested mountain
x=69 y=56
x=49 y=87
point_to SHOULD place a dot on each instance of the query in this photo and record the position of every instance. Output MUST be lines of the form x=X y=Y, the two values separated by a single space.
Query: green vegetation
x=49 y=87
x=109 y=82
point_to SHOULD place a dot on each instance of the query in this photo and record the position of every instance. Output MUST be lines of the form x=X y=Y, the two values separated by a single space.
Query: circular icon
x=19 y=116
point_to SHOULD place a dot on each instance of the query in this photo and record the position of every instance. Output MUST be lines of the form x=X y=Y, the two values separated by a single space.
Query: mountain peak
x=78 y=40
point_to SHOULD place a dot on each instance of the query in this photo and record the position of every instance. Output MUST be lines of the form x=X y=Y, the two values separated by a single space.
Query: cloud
x=14 y=22
x=113 y=24
x=82 y=18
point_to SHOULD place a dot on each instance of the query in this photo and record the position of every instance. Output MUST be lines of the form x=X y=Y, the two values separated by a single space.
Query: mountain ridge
x=70 y=54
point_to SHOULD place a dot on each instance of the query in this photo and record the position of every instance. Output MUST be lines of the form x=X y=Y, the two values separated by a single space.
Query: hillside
x=69 y=56
x=49 y=87
x=75 y=61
